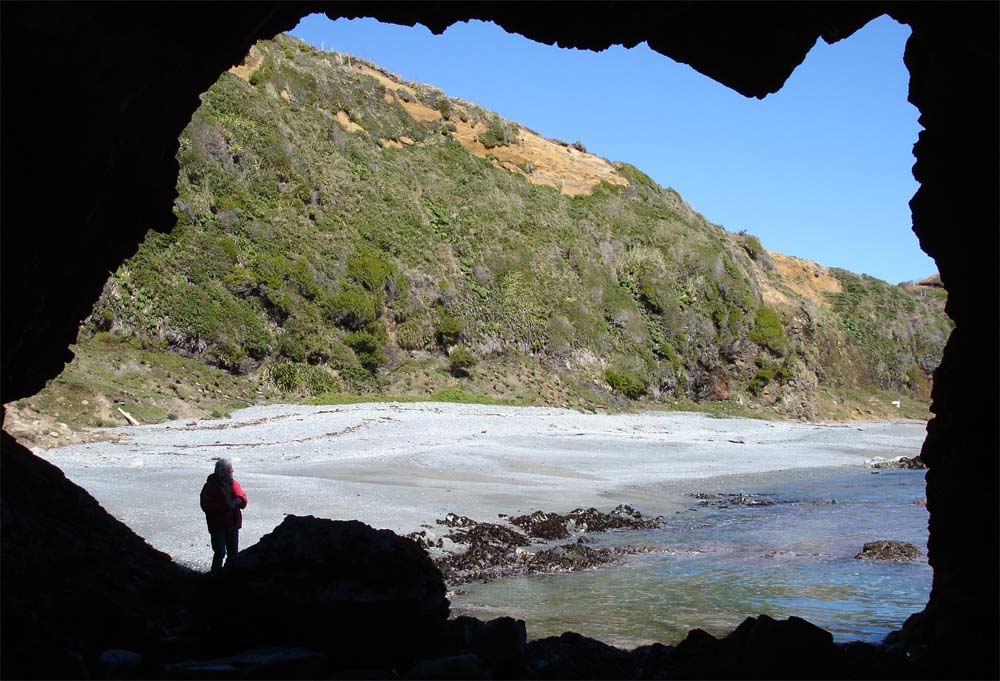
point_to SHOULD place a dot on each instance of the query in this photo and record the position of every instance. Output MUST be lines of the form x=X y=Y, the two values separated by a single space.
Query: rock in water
x=363 y=597
x=891 y=551
x=903 y=462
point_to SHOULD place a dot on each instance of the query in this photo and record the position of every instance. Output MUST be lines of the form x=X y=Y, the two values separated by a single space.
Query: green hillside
x=330 y=242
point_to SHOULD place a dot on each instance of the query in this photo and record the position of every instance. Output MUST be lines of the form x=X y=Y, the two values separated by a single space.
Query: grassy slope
x=310 y=262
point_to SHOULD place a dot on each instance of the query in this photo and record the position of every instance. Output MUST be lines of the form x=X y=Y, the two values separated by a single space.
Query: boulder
x=787 y=649
x=262 y=663
x=468 y=666
x=366 y=598
x=502 y=643
x=119 y=664
x=572 y=656
x=889 y=551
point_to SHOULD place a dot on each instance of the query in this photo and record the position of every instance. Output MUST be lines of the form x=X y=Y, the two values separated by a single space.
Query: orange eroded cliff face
x=541 y=160
x=805 y=278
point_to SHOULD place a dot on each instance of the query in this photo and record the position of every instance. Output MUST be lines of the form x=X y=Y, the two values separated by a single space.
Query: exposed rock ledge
x=494 y=550
x=904 y=462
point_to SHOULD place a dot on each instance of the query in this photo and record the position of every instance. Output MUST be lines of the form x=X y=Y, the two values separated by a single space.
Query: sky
x=820 y=170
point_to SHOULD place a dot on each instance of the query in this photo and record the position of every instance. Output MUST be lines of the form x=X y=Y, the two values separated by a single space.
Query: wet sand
x=400 y=466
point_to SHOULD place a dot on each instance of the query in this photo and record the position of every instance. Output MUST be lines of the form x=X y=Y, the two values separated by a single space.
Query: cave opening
x=949 y=590
x=267 y=278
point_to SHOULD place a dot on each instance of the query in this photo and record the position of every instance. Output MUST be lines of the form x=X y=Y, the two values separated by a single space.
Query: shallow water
x=715 y=567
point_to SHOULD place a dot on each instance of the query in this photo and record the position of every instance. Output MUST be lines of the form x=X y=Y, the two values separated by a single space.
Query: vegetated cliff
x=341 y=230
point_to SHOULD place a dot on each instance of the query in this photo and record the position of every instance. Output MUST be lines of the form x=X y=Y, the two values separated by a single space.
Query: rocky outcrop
x=760 y=648
x=728 y=500
x=495 y=551
x=903 y=462
x=542 y=525
x=340 y=588
x=76 y=581
x=889 y=551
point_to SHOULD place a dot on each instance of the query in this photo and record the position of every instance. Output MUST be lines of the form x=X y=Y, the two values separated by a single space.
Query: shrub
x=295 y=377
x=305 y=339
x=368 y=349
x=625 y=382
x=353 y=309
x=499 y=133
x=411 y=335
x=768 y=332
x=755 y=250
x=448 y=329
x=443 y=105
x=768 y=371
x=229 y=356
x=461 y=360
x=785 y=373
x=764 y=375
x=578 y=145
x=370 y=269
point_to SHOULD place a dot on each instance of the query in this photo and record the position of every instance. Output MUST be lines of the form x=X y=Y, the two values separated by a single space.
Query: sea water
x=711 y=567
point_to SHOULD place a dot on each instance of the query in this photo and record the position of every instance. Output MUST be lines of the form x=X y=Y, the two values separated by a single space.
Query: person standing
x=222 y=500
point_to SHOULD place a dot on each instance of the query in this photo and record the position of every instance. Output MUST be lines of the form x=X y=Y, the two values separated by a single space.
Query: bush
x=443 y=105
x=305 y=339
x=461 y=360
x=768 y=371
x=499 y=133
x=448 y=329
x=295 y=377
x=627 y=383
x=764 y=375
x=578 y=145
x=768 y=332
x=368 y=349
x=755 y=250
x=411 y=335
x=353 y=309
x=370 y=269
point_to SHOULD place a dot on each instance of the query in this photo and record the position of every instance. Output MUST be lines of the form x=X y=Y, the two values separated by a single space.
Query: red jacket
x=218 y=513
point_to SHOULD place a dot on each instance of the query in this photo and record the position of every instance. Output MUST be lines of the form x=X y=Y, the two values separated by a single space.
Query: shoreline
x=49 y=433
x=401 y=466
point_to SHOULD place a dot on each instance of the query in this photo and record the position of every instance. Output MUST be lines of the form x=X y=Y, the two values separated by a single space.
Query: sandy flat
x=399 y=466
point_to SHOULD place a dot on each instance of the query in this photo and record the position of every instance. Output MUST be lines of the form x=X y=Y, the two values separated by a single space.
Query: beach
x=402 y=466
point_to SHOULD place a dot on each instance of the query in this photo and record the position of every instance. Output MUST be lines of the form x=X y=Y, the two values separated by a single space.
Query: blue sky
x=820 y=170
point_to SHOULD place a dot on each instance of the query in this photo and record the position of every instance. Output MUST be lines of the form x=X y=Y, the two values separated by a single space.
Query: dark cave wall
x=953 y=64
x=97 y=94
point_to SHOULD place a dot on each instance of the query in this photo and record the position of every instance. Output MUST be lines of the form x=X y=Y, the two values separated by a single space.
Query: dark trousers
x=223 y=542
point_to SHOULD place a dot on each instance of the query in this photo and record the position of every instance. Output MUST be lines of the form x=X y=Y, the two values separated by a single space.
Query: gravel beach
x=400 y=466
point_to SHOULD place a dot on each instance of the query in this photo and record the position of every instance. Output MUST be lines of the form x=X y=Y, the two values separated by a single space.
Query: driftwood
x=132 y=421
